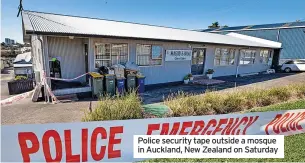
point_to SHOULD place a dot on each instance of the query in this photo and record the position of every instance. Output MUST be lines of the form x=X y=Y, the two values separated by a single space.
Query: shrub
x=231 y=101
x=281 y=93
x=20 y=78
x=234 y=102
x=116 y=108
x=181 y=104
x=186 y=77
x=210 y=71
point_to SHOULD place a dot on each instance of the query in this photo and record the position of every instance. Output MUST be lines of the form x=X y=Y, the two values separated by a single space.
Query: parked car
x=293 y=65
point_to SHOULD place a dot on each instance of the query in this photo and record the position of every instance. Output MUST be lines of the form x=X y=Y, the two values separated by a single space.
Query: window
x=224 y=56
x=110 y=54
x=264 y=56
x=247 y=57
x=149 y=55
x=119 y=54
x=300 y=61
x=289 y=62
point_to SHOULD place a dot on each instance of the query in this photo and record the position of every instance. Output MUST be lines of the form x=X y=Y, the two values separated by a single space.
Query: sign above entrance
x=178 y=55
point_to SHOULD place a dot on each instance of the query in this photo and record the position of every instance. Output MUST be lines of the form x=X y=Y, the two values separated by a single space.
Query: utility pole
x=20 y=8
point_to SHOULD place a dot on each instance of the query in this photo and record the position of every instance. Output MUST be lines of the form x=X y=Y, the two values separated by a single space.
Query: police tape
x=53 y=97
x=112 y=141
x=16 y=98
x=67 y=79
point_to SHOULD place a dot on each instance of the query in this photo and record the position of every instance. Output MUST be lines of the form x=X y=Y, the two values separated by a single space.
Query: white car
x=293 y=65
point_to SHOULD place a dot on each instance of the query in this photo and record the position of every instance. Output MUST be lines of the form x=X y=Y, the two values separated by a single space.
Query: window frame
x=262 y=58
x=151 y=45
x=254 y=58
x=228 y=59
x=110 y=57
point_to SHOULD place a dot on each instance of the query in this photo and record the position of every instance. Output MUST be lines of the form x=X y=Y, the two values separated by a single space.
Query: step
x=67 y=98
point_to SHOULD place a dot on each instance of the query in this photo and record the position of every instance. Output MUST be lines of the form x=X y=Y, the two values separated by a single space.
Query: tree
x=216 y=25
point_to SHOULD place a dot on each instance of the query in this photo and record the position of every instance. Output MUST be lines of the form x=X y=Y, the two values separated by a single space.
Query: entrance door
x=198 y=58
x=86 y=61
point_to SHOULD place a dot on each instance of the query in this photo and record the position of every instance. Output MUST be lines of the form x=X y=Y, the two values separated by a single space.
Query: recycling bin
x=120 y=84
x=141 y=84
x=110 y=84
x=131 y=82
x=97 y=84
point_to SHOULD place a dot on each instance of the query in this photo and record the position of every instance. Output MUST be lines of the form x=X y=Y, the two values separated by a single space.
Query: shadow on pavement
x=159 y=94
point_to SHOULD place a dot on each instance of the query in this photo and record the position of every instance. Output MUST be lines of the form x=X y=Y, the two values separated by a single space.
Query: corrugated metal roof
x=231 y=28
x=47 y=23
x=294 y=24
x=260 y=27
x=207 y=30
x=275 y=25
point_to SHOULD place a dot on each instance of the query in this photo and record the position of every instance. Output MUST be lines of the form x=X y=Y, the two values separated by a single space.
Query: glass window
x=110 y=54
x=149 y=55
x=224 y=56
x=264 y=56
x=119 y=54
x=300 y=61
x=289 y=62
x=247 y=57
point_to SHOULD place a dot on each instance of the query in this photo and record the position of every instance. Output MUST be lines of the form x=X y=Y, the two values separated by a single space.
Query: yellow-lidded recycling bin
x=97 y=84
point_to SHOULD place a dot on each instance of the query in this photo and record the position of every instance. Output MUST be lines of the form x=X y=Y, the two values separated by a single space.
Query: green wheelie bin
x=131 y=82
x=110 y=84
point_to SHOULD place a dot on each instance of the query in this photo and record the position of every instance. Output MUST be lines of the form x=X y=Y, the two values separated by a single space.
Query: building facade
x=291 y=35
x=164 y=55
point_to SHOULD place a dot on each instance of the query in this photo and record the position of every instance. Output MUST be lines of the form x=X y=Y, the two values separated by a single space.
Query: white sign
x=112 y=141
x=178 y=55
x=202 y=146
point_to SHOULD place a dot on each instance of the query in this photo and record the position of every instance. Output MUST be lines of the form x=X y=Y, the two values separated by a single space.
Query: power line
x=20 y=8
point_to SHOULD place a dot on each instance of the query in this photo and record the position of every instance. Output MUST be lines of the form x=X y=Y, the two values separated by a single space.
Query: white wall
x=37 y=57
x=70 y=53
x=232 y=69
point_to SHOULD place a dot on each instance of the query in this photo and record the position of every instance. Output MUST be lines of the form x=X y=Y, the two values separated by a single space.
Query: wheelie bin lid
x=109 y=76
x=95 y=75
x=141 y=76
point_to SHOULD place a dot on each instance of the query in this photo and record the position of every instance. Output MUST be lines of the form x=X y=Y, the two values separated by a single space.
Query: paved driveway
x=258 y=81
x=25 y=112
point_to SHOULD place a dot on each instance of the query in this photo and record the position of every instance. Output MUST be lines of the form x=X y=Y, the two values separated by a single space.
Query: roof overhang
x=276 y=45
x=28 y=33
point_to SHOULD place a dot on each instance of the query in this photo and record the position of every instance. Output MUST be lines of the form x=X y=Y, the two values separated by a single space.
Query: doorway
x=198 y=58
x=86 y=61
